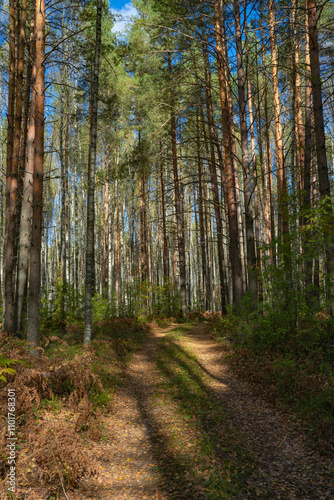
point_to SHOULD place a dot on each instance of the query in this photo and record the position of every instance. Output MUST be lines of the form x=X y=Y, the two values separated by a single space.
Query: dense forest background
x=167 y=230
x=183 y=165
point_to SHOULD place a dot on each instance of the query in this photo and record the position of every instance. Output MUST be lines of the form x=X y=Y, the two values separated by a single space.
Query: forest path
x=285 y=466
x=127 y=468
x=185 y=427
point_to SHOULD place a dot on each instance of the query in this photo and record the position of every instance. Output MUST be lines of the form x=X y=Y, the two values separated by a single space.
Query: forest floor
x=183 y=425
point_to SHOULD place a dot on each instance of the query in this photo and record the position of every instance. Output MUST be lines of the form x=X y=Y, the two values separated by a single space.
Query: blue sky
x=117 y=4
x=124 y=9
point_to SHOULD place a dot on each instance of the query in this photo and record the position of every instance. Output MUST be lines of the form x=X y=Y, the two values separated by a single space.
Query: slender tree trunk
x=299 y=129
x=178 y=208
x=268 y=150
x=315 y=203
x=11 y=183
x=205 y=274
x=117 y=253
x=76 y=214
x=117 y=260
x=63 y=182
x=143 y=226
x=206 y=209
x=91 y=181
x=251 y=255
x=320 y=139
x=233 y=147
x=179 y=221
x=229 y=181
x=190 y=252
x=165 y=258
x=319 y=126
x=281 y=188
x=157 y=254
x=213 y=171
x=148 y=234
x=199 y=293
x=257 y=198
x=105 y=264
x=27 y=197
x=20 y=128
x=33 y=332
x=264 y=171
x=307 y=168
x=2 y=176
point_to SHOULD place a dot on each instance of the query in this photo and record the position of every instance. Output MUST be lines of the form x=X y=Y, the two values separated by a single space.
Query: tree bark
x=205 y=274
x=33 y=332
x=27 y=195
x=233 y=149
x=63 y=213
x=281 y=187
x=319 y=125
x=19 y=130
x=105 y=264
x=306 y=236
x=178 y=208
x=266 y=214
x=229 y=181
x=117 y=260
x=268 y=151
x=11 y=184
x=299 y=129
x=320 y=140
x=91 y=181
x=165 y=258
x=142 y=212
x=251 y=255
x=213 y=171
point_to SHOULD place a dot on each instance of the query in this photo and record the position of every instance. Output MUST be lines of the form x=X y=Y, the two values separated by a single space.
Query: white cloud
x=123 y=17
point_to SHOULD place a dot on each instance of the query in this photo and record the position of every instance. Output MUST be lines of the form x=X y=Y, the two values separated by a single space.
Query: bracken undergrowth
x=60 y=401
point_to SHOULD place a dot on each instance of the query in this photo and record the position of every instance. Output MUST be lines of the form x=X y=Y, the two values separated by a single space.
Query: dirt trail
x=131 y=469
x=286 y=467
x=128 y=470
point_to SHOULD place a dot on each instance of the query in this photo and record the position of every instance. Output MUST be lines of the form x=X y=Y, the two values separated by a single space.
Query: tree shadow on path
x=192 y=437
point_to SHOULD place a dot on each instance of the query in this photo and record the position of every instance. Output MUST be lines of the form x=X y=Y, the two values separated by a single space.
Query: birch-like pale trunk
x=250 y=239
x=91 y=180
x=27 y=159
x=26 y=210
